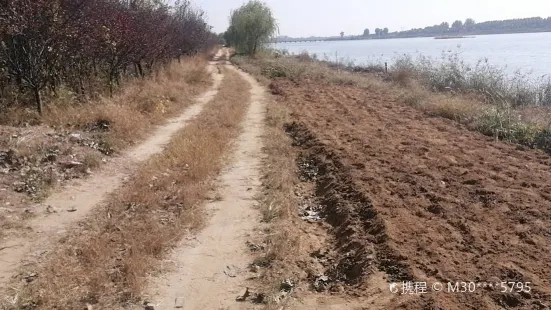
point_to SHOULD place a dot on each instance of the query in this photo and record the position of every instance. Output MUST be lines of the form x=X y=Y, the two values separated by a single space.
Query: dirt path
x=209 y=270
x=73 y=203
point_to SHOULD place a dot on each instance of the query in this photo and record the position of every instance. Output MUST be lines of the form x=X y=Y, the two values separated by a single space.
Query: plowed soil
x=421 y=198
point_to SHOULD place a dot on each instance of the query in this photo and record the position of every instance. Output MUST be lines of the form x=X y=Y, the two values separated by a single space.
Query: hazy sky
x=328 y=18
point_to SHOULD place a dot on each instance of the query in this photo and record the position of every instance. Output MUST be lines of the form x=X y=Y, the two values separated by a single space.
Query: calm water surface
x=530 y=53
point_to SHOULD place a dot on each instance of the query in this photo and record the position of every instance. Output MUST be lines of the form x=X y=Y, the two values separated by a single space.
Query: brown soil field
x=419 y=198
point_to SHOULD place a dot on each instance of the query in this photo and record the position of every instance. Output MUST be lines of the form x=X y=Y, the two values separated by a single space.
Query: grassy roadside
x=278 y=206
x=34 y=150
x=107 y=263
x=129 y=114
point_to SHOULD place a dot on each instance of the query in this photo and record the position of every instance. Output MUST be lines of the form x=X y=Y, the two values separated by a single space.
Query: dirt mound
x=359 y=232
x=421 y=199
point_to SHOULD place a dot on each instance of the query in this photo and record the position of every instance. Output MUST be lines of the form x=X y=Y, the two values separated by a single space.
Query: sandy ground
x=209 y=270
x=70 y=205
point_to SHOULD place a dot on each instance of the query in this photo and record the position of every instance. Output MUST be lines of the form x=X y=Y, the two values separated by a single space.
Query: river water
x=529 y=53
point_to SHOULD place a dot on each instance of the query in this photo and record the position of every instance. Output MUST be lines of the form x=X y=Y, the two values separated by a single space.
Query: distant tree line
x=469 y=26
x=381 y=32
x=46 y=44
x=458 y=27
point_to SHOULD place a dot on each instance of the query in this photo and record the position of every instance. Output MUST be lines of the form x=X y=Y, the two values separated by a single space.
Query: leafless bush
x=46 y=45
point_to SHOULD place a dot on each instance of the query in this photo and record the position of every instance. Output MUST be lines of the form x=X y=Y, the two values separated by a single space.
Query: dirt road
x=209 y=270
x=421 y=199
x=65 y=208
x=399 y=198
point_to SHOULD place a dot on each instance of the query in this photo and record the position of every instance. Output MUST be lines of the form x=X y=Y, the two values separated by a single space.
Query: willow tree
x=252 y=25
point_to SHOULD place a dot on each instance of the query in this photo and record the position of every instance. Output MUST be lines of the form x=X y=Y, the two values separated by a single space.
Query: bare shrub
x=403 y=77
x=304 y=56
x=90 y=46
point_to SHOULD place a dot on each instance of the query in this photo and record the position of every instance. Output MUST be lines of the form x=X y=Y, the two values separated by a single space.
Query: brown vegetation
x=145 y=102
x=107 y=262
x=278 y=204
x=51 y=49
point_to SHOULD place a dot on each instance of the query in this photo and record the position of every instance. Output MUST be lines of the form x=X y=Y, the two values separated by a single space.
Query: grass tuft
x=451 y=73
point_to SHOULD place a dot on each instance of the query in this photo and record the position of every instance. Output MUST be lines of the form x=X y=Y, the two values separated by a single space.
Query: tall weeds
x=452 y=74
x=131 y=112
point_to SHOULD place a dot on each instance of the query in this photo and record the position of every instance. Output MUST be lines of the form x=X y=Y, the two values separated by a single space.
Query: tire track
x=80 y=199
x=211 y=268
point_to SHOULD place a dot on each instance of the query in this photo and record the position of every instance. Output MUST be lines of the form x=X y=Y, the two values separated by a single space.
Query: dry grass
x=138 y=106
x=279 y=205
x=131 y=112
x=461 y=109
x=108 y=262
x=278 y=168
x=297 y=70
x=523 y=125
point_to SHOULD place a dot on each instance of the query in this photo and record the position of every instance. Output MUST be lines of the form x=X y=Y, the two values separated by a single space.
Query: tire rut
x=73 y=203
x=211 y=268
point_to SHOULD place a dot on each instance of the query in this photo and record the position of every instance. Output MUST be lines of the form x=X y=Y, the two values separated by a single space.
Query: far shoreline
x=470 y=35
x=453 y=37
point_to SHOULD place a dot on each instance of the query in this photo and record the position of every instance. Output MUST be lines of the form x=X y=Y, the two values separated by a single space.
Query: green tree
x=445 y=26
x=228 y=36
x=252 y=25
x=378 y=31
x=366 y=32
x=342 y=34
x=221 y=38
x=385 y=31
